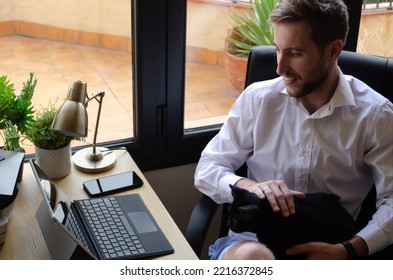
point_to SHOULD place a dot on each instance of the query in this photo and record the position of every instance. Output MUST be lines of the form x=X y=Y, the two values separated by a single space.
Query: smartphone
x=112 y=184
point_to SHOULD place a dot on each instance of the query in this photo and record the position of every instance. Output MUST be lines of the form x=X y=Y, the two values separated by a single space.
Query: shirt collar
x=343 y=96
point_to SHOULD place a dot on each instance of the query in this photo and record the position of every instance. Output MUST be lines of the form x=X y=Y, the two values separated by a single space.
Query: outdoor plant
x=11 y=137
x=16 y=111
x=41 y=134
x=251 y=28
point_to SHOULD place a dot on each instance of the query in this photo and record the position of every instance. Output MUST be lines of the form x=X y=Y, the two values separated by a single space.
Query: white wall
x=99 y=16
x=207 y=25
x=7 y=8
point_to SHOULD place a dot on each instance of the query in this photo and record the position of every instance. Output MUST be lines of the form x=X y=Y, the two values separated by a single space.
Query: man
x=313 y=129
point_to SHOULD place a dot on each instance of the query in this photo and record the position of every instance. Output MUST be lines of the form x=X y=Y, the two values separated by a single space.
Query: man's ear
x=334 y=49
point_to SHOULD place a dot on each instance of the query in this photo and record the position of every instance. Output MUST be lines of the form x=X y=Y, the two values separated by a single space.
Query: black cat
x=318 y=217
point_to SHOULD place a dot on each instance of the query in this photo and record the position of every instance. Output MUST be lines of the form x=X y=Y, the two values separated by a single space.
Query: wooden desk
x=24 y=239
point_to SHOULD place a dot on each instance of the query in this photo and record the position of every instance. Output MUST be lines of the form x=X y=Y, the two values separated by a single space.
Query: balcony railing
x=368 y=5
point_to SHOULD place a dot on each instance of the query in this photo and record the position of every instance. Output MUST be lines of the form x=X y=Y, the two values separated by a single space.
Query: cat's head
x=244 y=211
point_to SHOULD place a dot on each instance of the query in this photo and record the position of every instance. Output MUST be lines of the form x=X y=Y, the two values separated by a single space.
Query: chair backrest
x=375 y=71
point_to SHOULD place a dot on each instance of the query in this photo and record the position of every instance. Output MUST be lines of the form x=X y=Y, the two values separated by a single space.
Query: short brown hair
x=328 y=18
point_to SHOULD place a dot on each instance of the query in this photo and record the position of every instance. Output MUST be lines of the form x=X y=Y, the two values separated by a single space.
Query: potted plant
x=52 y=149
x=250 y=28
x=16 y=112
x=16 y=116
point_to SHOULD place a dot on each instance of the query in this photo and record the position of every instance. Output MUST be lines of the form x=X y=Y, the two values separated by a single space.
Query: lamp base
x=83 y=162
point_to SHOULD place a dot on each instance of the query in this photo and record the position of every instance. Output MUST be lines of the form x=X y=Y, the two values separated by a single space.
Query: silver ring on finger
x=265 y=188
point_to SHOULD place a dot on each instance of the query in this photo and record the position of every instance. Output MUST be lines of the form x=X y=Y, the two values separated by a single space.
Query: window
x=92 y=45
x=160 y=127
x=375 y=32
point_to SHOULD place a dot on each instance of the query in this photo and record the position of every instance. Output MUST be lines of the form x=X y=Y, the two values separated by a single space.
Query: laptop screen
x=51 y=214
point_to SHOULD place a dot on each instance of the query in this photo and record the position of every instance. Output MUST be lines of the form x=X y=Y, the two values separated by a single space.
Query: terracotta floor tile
x=56 y=65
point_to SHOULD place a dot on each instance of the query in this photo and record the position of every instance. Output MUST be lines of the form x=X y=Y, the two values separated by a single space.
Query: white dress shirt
x=343 y=148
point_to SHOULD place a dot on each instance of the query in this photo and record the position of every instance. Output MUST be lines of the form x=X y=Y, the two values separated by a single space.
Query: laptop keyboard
x=73 y=226
x=113 y=232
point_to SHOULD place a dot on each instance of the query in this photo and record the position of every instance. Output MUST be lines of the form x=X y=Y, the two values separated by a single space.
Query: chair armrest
x=199 y=223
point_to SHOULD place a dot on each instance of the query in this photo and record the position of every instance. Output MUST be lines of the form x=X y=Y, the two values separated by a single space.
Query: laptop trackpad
x=142 y=222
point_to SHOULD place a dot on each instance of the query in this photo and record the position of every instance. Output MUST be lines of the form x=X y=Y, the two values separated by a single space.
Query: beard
x=310 y=84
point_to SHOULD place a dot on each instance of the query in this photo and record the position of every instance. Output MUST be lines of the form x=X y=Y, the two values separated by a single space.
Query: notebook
x=116 y=227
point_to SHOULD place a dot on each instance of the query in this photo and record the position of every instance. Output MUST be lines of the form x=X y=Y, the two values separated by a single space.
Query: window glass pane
x=375 y=32
x=208 y=93
x=86 y=40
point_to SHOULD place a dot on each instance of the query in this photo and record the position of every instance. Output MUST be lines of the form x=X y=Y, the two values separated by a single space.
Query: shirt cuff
x=374 y=237
x=225 y=190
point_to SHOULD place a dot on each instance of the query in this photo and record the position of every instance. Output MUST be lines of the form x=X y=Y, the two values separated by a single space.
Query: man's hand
x=277 y=193
x=319 y=251
x=325 y=251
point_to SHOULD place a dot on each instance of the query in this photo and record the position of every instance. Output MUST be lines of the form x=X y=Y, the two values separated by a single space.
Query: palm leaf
x=252 y=28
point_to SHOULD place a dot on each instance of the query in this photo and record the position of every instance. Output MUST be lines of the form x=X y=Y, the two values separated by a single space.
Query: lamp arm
x=99 y=97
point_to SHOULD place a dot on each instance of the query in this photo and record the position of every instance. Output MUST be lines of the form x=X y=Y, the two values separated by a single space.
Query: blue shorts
x=221 y=246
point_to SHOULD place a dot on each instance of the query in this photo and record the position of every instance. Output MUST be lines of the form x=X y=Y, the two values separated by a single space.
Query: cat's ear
x=236 y=191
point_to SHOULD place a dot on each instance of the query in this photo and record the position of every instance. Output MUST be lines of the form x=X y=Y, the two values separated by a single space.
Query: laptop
x=116 y=227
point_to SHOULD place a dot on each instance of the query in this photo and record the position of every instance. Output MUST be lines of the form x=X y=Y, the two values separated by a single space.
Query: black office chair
x=376 y=71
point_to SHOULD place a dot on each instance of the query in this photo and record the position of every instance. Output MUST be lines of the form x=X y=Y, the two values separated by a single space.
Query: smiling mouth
x=288 y=80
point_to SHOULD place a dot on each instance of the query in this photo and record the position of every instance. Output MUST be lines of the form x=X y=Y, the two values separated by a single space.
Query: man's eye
x=294 y=53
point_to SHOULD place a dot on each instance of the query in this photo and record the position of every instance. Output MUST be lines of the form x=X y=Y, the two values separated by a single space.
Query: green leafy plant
x=16 y=111
x=251 y=28
x=11 y=137
x=41 y=134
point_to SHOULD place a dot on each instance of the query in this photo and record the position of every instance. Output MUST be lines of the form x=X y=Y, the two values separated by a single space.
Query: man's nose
x=281 y=65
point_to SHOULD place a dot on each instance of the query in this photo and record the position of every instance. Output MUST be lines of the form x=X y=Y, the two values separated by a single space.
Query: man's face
x=299 y=61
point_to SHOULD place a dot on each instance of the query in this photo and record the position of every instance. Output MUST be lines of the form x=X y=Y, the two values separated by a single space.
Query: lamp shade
x=71 y=118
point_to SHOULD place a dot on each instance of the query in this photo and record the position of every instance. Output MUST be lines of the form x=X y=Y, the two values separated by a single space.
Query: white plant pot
x=55 y=163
